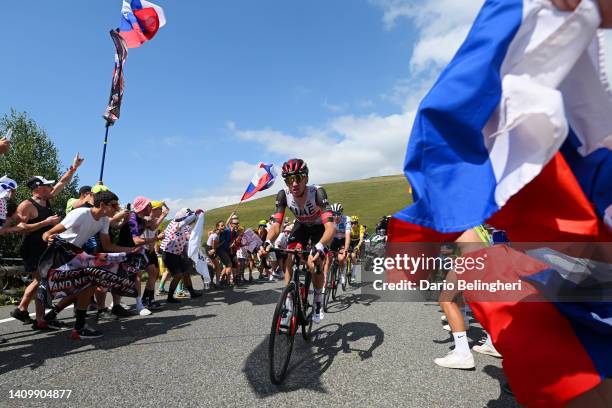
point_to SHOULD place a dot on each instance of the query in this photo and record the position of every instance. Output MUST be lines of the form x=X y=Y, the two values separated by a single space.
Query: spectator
x=130 y=235
x=281 y=242
x=211 y=249
x=223 y=250
x=78 y=226
x=173 y=246
x=7 y=192
x=36 y=217
x=85 y=199
x=159 y=211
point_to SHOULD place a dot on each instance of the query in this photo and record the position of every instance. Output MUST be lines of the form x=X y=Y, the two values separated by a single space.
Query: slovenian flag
x=516 y=132
x=262 y=180
x=140 y=21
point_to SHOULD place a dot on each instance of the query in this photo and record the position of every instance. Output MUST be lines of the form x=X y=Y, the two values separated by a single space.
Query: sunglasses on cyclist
x=297 y=178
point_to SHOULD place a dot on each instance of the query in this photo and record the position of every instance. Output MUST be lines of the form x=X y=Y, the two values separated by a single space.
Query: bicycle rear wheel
x=282 y=335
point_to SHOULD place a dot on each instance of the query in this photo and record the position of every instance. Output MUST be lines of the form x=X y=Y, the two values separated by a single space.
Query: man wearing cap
x=7 y=191
x=35 y=217
x=85 y=200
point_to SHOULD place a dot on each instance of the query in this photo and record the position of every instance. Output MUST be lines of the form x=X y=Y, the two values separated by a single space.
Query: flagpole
x=104 y=152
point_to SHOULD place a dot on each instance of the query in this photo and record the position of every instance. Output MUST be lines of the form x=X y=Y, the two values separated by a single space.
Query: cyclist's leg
x=317 y=263
x=288 y=266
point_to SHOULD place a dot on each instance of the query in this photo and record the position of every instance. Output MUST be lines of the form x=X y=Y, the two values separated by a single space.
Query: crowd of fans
x=95 y=223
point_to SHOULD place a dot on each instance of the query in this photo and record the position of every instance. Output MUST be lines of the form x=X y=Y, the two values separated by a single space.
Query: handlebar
x=289 y=251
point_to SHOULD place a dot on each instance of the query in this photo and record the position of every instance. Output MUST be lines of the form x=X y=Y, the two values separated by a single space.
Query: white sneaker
x=271 y=277
x=487 y=349
x=444 y=318
x=143 y=311
x=456 y=360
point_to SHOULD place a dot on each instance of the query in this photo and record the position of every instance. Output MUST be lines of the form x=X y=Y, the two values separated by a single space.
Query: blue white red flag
x=516 y=131
x=140 y=21
x=562 y=309
x=262 y=180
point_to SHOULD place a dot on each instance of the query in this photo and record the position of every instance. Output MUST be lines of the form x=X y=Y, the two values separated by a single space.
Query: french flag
x=516 y=132
x=262 y=180
x=140 y=21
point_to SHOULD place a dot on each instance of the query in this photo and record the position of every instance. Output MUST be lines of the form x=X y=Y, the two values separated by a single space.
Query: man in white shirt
x=78 y=226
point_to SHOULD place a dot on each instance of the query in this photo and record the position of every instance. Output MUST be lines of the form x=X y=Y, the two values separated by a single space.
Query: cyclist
x=342 y=238
x=357 y=233
x=314 y=223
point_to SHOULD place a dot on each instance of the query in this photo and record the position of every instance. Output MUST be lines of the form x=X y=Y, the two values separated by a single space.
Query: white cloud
x=442 y=26
x=349 y=147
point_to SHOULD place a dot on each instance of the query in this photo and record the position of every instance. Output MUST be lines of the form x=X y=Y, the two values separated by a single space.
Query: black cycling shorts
x=337 y=244
x=303 y=234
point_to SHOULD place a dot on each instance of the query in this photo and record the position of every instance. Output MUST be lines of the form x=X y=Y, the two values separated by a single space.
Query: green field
x=370 y=199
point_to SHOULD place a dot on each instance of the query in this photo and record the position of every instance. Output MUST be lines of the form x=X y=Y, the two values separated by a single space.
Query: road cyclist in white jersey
x=342 y=237
x=314 y=226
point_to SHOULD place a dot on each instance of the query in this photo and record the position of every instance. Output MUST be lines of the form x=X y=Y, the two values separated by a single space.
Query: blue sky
x=226 y=84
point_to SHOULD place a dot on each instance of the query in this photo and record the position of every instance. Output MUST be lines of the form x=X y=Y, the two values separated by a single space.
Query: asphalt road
x=212 y=351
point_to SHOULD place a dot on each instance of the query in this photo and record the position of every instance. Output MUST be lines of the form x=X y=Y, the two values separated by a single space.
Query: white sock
x=461 y=342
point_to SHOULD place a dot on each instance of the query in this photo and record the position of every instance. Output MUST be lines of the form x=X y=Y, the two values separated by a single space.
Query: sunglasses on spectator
x=289 y=180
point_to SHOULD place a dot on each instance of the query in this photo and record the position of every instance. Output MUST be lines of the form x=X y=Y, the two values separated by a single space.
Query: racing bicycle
x=294 y=308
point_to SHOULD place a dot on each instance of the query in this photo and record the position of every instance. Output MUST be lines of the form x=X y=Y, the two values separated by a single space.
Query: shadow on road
x=504 y=400
x=310 y=360
x=350 y=298
x=26 y=352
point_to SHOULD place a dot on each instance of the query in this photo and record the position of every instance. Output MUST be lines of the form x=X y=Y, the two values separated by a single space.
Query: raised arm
x=65 y=179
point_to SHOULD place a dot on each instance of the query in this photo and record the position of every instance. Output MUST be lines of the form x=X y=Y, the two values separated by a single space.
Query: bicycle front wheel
x=282 y=334
x=308 y=311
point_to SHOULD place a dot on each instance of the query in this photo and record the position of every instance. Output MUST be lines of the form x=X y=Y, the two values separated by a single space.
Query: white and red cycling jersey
x=314 y=211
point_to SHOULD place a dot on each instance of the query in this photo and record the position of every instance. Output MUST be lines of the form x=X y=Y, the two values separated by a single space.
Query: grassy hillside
x=370 y=199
